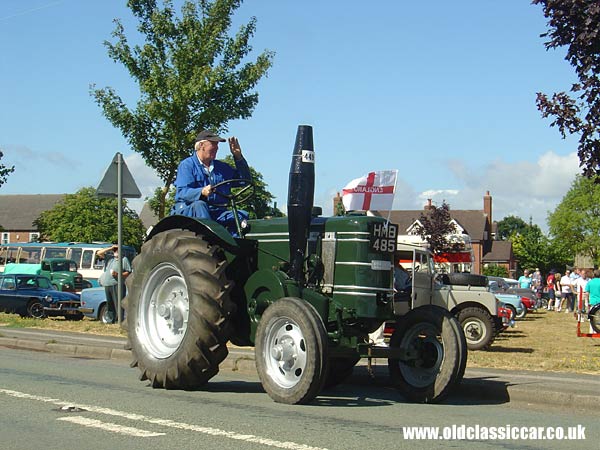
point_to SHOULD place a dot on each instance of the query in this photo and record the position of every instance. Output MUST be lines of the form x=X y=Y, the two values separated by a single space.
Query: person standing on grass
x=525 y=280
x=593 y=288
x=566 y=291
x=583 y=298
x=550 y=288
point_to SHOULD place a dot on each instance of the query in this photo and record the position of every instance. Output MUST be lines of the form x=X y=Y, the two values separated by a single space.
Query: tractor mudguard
x=206 y=227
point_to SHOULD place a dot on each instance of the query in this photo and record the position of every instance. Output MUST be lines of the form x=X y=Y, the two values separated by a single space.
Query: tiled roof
x=17 y=212
x=500 y=251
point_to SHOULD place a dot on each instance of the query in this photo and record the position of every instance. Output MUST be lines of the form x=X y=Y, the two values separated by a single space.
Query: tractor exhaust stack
x=301 y=189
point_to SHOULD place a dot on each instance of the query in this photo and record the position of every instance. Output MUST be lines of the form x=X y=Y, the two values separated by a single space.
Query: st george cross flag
x=374 y=191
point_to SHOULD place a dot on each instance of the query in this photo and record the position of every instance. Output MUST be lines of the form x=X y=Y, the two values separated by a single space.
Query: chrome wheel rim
x=285 y=352
x=163 y=311
x=474 y=330
x=425 y=350
x=37 y=310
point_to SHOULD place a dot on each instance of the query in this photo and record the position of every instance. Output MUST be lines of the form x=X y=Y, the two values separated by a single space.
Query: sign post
x=118 y=181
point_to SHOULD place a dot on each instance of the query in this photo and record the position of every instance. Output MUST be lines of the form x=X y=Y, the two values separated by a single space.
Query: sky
x=442 y=91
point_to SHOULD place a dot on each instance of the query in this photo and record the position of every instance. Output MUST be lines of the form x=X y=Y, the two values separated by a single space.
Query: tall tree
x=83 y=217
x=575 y=222
x=191 y=74
x=510 y=225
x=575 y=24
x=5 y=171
x=437 y=228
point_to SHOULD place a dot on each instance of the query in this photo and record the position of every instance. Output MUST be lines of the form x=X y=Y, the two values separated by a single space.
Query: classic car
x=93 y=305
x=511 y=301
x=33 y=296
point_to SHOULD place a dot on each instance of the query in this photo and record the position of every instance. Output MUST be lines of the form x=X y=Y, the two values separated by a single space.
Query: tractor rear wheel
x=434 y=354
x=291 y=351
x=178 y=310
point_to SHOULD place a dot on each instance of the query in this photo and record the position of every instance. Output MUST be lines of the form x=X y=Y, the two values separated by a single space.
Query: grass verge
x=543 y=341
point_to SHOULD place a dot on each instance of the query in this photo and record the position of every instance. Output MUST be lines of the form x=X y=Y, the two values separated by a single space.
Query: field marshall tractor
x=304 y=290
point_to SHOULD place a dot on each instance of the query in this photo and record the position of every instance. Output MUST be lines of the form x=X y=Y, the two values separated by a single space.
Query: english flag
x=374 y=191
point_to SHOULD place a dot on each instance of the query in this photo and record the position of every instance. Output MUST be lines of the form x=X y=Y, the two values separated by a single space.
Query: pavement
x=479 y=386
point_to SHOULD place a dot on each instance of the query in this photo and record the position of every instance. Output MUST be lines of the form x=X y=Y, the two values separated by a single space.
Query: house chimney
x=428 y=206
x=487 y=206
x=338 y=206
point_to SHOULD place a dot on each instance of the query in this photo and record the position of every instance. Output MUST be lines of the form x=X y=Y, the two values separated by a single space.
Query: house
x=474 y=225
x=18 y=212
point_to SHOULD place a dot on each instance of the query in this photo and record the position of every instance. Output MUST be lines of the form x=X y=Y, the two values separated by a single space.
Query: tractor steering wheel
x=240 y=196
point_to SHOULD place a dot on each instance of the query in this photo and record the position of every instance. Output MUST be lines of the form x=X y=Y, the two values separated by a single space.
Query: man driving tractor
x=199 y=176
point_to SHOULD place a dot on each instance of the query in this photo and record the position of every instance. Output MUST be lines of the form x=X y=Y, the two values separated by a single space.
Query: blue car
x=511 y=301
x=93 y=305
x=34 y=296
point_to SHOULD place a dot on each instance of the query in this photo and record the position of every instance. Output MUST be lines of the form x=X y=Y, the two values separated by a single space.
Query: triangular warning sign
x=108 y=187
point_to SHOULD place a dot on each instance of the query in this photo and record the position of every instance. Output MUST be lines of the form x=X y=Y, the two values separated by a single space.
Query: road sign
x=118 y=182
x=108 y=187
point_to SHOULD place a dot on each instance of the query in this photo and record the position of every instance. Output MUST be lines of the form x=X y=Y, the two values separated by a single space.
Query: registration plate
x=383 y=237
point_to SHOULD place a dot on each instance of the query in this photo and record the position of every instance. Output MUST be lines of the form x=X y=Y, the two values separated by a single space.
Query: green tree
x=494 y=270
x=191 y=74
x=531 y=248
x=575 y=223
x=154 y=201
x=510 y=225
x=84 y=217
x=436 y=227
x=259 y=205
x=574 y=24
x=5 y=171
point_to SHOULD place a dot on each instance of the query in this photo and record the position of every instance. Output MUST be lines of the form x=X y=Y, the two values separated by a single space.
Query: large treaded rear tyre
x=177 y=308
x=478 y=326
x=435 y=354
x=291 y=351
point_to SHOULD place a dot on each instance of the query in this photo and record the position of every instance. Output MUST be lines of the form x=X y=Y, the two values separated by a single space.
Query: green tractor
x=305 y=291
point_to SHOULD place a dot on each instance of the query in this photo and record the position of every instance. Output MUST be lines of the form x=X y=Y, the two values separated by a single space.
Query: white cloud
x=145 y=179
x=524 y=189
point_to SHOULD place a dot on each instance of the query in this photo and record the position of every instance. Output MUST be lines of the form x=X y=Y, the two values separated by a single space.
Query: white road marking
x=165 y=422
x=113 y=427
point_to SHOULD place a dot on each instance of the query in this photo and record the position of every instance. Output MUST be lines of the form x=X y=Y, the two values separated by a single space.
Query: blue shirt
x=192 y=176
x=593 y=287
x=524 y=282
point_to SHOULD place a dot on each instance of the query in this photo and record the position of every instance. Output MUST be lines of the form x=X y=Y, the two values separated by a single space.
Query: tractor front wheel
x=434 y=354
x=291 y=351
x=178 y=310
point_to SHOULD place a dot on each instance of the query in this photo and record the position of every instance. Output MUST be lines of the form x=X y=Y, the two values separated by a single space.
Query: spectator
x=566 y=292
x=593 y=288
x=558 y=302
x=583 y=297
x=110 y=276
x=525 y=280
x=537 y=286
x=550 y=288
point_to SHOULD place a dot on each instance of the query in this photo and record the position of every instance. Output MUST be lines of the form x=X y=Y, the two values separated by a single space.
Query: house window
x=34 y=237
x=5 y=238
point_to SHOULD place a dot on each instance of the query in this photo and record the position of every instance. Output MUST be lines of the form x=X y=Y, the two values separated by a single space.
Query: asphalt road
x=55 y=401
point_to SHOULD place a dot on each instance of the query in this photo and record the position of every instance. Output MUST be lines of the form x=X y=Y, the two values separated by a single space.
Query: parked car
x=511 y=301
x=33 y=296
x=93 y=305
x=528 y=296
